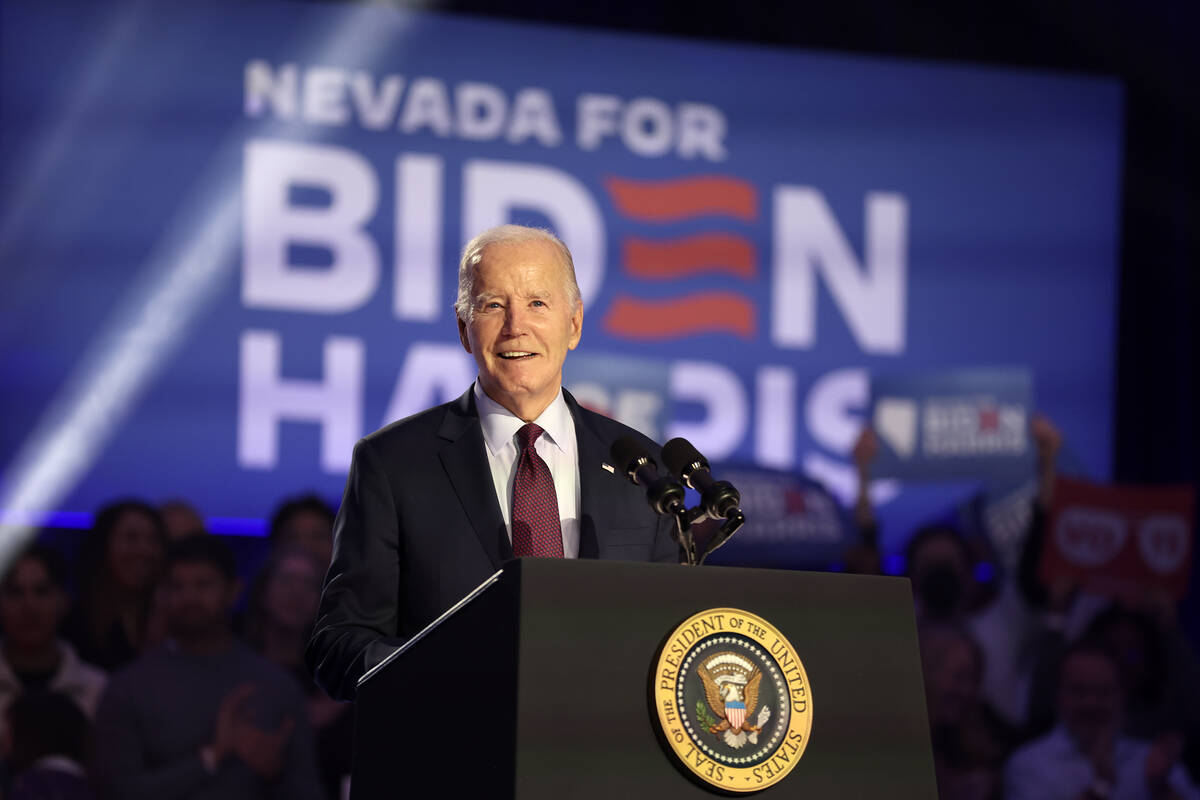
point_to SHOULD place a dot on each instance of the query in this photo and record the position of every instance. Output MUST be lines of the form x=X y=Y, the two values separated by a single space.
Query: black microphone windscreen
x=678 y=454
x=625 y=451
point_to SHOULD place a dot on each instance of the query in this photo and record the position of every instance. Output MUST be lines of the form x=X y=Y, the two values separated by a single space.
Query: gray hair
x=507 y=234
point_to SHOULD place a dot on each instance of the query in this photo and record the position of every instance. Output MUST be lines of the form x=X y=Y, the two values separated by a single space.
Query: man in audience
x=1085 y=757
x=33 y=603
x=202 y=716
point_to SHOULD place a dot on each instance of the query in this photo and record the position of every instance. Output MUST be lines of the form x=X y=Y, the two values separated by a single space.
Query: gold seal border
x=681 y=641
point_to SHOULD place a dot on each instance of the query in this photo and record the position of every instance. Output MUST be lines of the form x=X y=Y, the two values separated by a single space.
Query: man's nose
x=514 y=319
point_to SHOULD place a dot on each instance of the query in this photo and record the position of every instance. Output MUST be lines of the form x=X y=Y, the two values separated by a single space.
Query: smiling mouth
x=516 y=355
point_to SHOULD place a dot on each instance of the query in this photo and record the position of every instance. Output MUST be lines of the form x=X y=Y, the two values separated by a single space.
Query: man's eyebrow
x=534 y=294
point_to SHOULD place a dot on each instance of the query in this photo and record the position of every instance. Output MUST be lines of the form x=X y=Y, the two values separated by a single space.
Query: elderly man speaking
x=513 y=468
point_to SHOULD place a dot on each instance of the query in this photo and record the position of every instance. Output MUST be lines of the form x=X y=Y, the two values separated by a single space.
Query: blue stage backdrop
x=229 y=233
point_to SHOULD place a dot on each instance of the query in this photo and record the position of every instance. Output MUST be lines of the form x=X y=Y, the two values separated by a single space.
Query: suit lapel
x=466 y=464
x=595 y=487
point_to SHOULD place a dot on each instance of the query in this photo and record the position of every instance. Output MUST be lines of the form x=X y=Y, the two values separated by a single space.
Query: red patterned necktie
x=535 y=527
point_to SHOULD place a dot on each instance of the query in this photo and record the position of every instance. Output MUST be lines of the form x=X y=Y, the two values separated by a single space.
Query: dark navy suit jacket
x=420 y=527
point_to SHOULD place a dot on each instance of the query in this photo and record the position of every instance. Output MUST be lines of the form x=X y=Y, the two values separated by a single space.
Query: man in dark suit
x=515 y=467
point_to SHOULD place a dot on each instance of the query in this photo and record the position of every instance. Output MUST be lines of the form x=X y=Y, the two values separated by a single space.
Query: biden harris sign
x=230 y=234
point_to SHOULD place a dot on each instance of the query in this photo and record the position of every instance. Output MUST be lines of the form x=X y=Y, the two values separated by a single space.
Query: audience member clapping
x=120 y=563
x=202 y=715
x=1157 y=665
x=1086 y=756
x=33 y=603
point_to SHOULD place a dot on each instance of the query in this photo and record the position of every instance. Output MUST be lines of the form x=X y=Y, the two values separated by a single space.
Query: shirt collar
x=500 y=425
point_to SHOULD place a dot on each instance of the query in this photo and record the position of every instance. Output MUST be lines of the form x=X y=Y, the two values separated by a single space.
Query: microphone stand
x=731 y=526
x=686 y=517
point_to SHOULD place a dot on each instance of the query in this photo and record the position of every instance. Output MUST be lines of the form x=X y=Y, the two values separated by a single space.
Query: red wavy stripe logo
x=667 y=201
x=706 y=252
x=706 y=312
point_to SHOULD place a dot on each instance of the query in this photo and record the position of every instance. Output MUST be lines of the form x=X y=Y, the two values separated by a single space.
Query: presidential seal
x=732 y=699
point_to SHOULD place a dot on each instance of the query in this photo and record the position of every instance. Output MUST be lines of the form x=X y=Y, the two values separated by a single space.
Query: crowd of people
x=148 y=670
x=1039 y=692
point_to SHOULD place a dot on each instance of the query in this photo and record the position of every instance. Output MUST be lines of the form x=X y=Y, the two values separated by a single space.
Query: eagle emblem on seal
x=731 y=684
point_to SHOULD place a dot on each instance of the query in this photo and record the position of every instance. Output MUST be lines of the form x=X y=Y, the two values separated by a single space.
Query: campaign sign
x=791 y=521
x=952 y=425
x=1112 y=539
x=229 y=235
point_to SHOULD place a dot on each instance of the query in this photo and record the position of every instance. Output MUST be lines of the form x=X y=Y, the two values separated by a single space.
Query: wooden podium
x=538 y=685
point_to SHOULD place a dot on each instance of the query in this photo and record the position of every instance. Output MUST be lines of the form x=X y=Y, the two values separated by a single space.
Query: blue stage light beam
x=184 y=271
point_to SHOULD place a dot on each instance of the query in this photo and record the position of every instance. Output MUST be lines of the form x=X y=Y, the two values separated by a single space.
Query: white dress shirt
x=1054 y=768
x=557 y=447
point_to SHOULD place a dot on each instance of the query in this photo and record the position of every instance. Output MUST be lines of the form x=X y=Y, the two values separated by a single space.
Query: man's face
x=1089 y=697
x=522 y=325
x=31 y=606
x=941 y=578
x=198 y=599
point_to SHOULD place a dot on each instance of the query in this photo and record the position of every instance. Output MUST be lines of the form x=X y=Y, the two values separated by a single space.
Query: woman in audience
x=304 y=521
x=282 y=609
x=33 y=602
x=970 y=743
x=120 y=563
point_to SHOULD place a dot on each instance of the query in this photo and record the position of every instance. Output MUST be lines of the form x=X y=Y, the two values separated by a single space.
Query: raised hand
x=1047 y=439
x=865 y=449
x=229 y=712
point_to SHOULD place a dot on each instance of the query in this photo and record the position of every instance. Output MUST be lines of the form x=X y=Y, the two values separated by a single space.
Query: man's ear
x=462 y=334
x=576 y=326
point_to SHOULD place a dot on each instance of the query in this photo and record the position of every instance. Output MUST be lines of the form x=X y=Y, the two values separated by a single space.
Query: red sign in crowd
x=1113 y=539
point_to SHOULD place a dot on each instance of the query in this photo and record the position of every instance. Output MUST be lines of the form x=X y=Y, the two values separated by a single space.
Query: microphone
x=664 y=494
x=719 y=498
